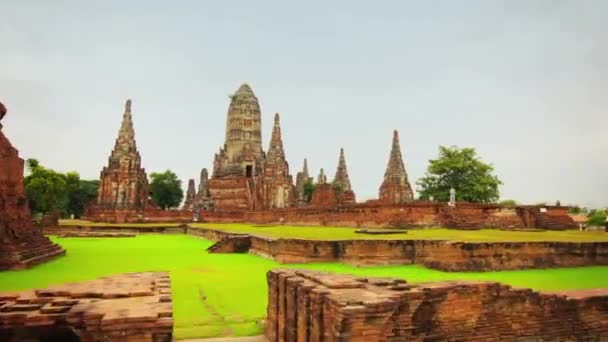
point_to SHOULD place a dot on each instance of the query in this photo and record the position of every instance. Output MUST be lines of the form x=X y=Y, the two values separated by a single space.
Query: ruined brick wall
x=442 y=255
x=418 y=214
x=314 y=306
x=151 y=215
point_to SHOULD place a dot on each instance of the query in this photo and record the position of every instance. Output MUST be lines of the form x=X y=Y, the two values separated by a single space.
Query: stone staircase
x=28 y=254
x=232 y=244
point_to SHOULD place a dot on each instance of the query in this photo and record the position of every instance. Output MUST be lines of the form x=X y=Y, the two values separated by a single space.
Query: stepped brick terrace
x=22 y=245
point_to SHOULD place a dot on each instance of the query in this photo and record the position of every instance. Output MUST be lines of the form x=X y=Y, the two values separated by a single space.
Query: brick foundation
x=441 y=255
x=128 y=307
x=313 y=306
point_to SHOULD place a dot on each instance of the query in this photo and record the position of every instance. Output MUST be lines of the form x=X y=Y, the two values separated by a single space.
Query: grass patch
x=343 y=233
x=226 y=294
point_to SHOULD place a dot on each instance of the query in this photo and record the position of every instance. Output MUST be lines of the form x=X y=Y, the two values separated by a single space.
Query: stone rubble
x=127 y=307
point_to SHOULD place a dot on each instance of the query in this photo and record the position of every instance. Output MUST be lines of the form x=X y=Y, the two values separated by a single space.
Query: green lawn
x=341 y=233
x=234 y=285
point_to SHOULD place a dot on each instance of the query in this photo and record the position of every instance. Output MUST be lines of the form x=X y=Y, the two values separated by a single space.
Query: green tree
x=80 y=193
x=461 y=169
x=166 y=189
x=45 y=189
x=596 y=217
x=309 y=189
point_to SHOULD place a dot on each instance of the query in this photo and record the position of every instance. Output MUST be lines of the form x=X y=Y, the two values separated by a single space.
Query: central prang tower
x=236 y=183
x=242 y=154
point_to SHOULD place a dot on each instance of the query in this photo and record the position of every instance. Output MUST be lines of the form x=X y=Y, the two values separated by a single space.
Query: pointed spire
x=190 y=195
x=128 y=106
x=125 y=143
x=305 y=169
x=203 y=185
x=396 y=168
x=342 y=173
x=276 y=142
x=396 y=188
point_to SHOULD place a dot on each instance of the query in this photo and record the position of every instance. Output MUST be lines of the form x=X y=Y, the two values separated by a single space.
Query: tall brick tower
x=396 y=188
x=278 y=183
x=242 y=154
x=21 y=244
x=124 y=183
x=239 y=165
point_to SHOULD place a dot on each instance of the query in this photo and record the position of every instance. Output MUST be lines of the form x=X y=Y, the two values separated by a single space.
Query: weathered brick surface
x=190 y=196
x=314 y=306
x=395 y=187
x=443 y=255
x=21 y=243
x=123 y=182
x=129 y=307
x=325 y=211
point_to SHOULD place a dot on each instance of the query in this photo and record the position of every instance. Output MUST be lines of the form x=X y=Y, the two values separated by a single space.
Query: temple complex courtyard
x=226 y=294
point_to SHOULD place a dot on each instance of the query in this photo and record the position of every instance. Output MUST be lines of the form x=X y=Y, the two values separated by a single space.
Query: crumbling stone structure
x=22 y=245
x=190 y=196
x=124 y=183
x=278 y=184
x=127 y=307
x=244 y=177
x=395 y=188
x=203 y=200
x=341 y=183
x=239 y=165
x=302 y=178
x=313 y=306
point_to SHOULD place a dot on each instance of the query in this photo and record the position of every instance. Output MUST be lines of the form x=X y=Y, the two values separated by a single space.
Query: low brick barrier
x=436 y=254
x=314 y=306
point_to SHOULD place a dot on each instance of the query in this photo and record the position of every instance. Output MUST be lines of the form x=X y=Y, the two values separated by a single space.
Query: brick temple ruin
x=123 y=193
x=251 y=185
x=313 y=306
x=22 y=245
x=125 y=307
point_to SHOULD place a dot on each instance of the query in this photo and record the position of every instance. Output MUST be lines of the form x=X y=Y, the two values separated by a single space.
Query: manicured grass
x=103 y=224
x=341 y=233
x=226 y=294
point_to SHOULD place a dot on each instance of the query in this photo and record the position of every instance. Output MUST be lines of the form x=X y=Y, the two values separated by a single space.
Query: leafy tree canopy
x=309 y=189
x=166 y=189
x=461 y=169
x=48 y=190
x=596 y=218
x=45 y=189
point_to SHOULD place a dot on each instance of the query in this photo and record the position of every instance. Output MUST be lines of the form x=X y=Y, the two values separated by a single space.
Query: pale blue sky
x=524 y=82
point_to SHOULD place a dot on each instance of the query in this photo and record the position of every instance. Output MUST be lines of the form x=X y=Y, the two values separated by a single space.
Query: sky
x=523 y=82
